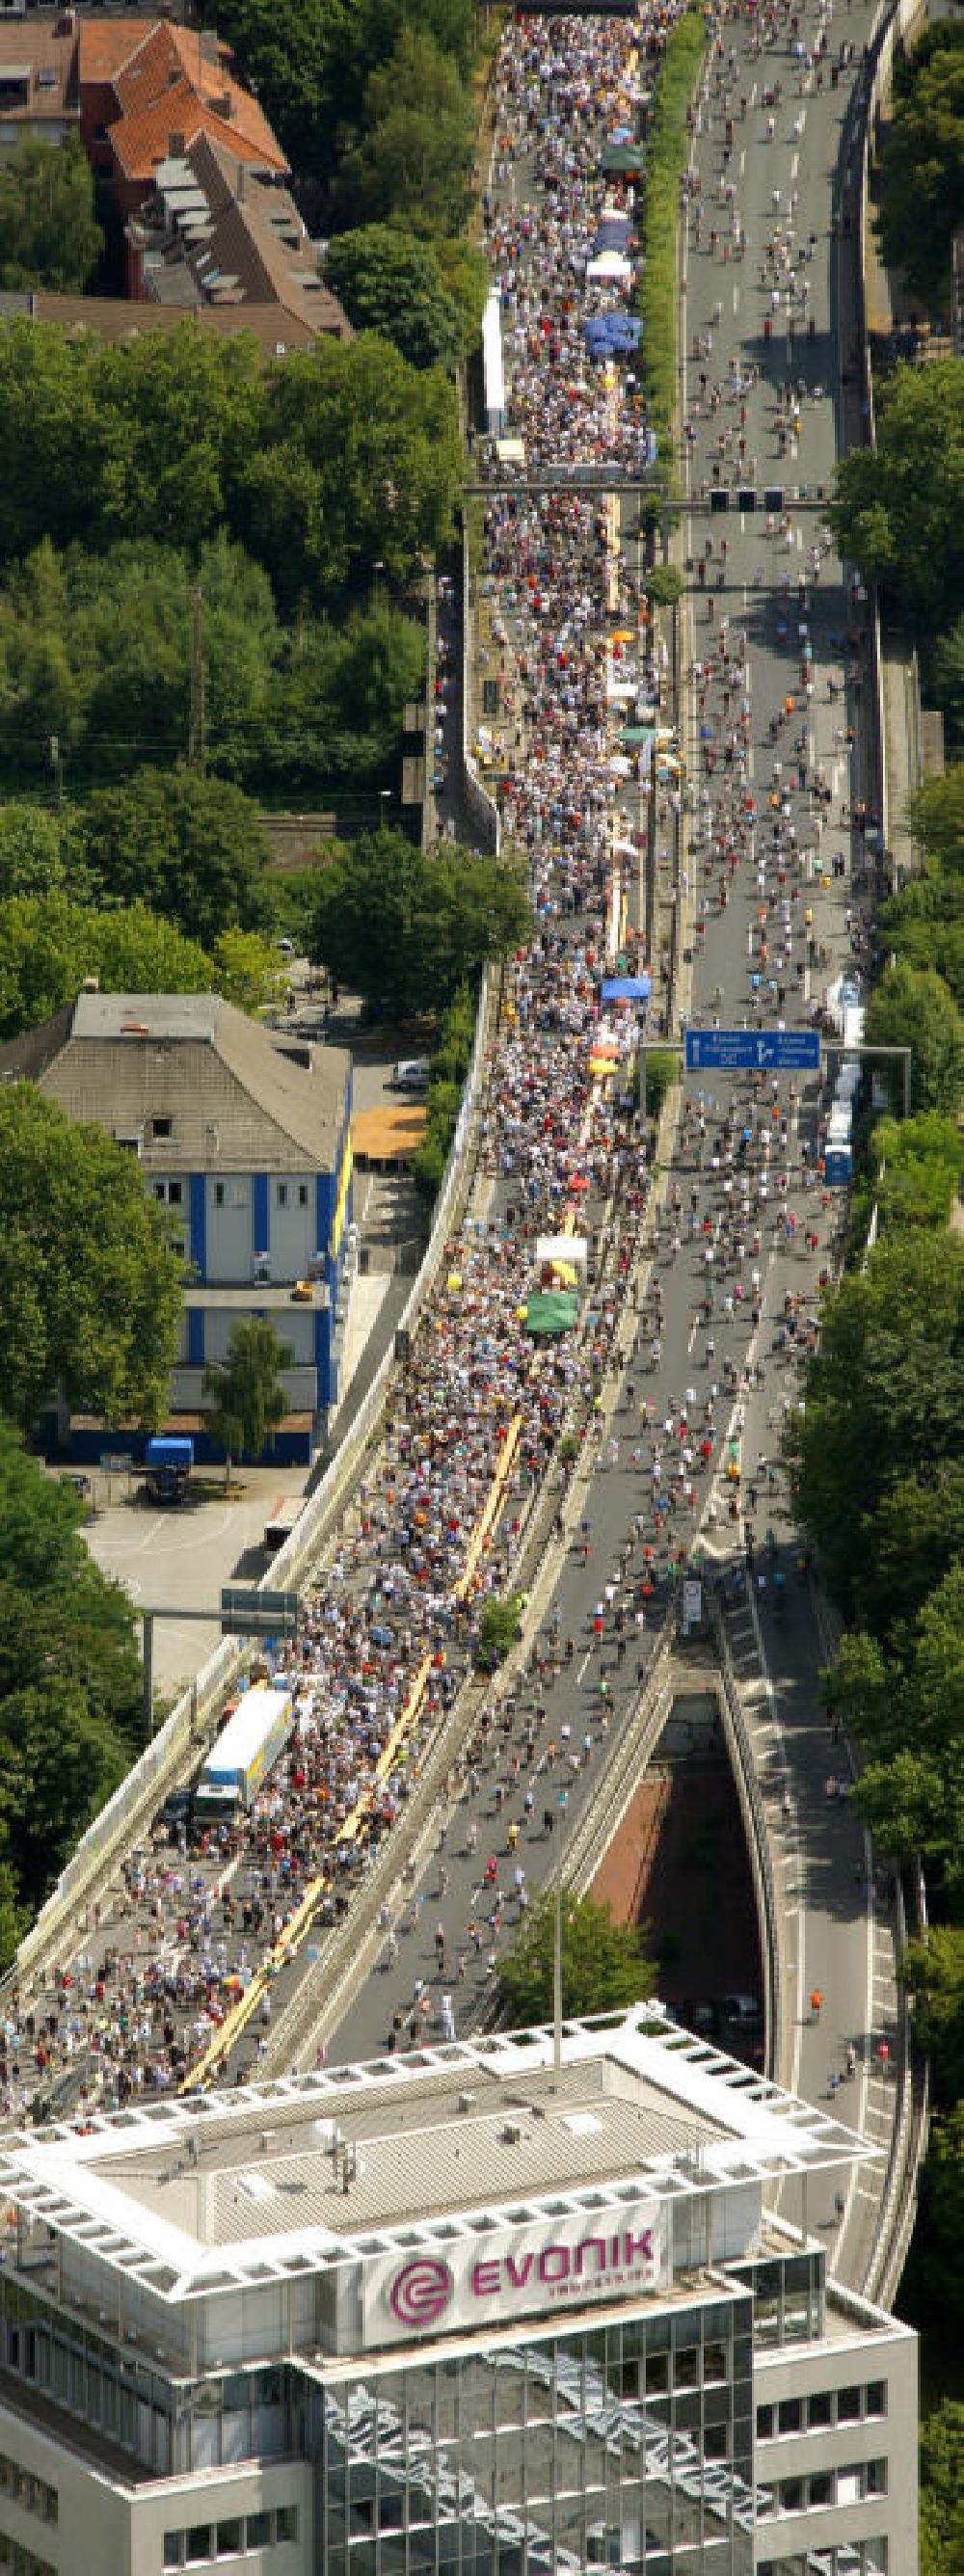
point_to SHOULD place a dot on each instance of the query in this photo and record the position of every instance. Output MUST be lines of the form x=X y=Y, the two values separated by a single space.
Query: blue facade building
x=245 y=1142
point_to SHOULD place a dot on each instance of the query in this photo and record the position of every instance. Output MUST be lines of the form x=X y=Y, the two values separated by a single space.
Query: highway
x=792 y=178
x=704 y=1277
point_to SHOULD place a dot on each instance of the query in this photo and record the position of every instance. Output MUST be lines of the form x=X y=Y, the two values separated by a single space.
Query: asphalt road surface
x=779 y=392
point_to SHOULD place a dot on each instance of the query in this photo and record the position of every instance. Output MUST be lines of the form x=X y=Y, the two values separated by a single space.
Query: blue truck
x=168 y=1461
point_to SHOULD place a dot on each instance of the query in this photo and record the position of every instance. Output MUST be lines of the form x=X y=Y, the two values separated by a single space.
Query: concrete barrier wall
x=482 y=809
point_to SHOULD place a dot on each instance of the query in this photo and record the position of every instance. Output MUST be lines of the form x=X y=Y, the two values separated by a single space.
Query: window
x=175 y=1193
x=875 y=2398
x=714 y=2362
x=281 y=1194
x=686 y=2368
x=174 y=2549
x=764 y=2423
x=821 y=2488
x=850 y=2485
x=819 y=2409
x=876 y=2481
x=198 y=2541
x=657 y=2374
x=259 y=2531
x=790 y=2415
x=286 y=2522
x=791 y=2495
x=848 y=2405
x=302 y=1193
x=230 y=2539
x=219 y=1193
x=160 y=1126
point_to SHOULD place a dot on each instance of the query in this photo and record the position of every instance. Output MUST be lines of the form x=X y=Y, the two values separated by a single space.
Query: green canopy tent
x=623 y=160
x=552 y=1310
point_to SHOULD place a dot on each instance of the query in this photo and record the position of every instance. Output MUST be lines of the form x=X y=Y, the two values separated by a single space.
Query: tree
x=603 y=1967
x=48 y=944
x=90 y=1295
x=96 y=650
x=48 y=233
x=192 y=847
x=942 y=2489
x=359 y=463
x=899 y=507
x=70 y=1685
x=389 y=281
x=918 y=1169
x=949 y=689
x=415 y=157
x=405 y=927
x=248 y=1400
x=664 y=585
x=911 y=1007
x=498 y=1628
x=885 y=1396
x=37 y=852
x=933 y=1972
x=246 y=969
x=922 y=163
x=942 y=2205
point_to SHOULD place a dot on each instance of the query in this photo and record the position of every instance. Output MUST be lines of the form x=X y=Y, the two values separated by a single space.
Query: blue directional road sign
x=753 y=1050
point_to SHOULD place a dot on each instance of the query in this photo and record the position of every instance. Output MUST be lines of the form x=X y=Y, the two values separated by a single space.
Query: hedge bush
x=666 y=154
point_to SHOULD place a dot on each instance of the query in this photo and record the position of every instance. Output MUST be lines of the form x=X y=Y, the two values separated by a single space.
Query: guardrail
x=909 y=2134
x=757 y=1840
x=127 y=1814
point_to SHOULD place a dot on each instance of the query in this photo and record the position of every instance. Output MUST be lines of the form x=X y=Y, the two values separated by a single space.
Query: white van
x=412 y=1073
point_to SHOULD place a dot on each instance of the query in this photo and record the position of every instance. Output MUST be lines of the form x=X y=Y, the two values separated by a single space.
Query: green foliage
x=948 y=675
x=664 y=585
x=325 y=463
x=662 y=1071
x=312 y=58
x=913 y=1007
x=391 y=282
x=90 y=1296
x=899 y=507
x=922 y=163
x=603 y=1966
x=246 y=969
x=919 y=1164
x=413 y=162
x=450 y=1064
x=359 y=462
x=924 y=923
x=192 y=848
x=942 y=2231
x=37 y=852
x=666 y=151
x=70 y=1684
x=247 y=1398
x=885 y=1396
x=48 y=233
x=498 y=1629
x=942 y=2488
x=405 y=927
x=906 y=1705
x=48 y=944
x=933 y=1972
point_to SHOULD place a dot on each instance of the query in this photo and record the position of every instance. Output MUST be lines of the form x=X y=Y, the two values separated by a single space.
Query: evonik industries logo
x=420 y=2292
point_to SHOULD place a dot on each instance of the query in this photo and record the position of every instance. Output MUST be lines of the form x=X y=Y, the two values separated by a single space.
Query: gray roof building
x=188 y=1080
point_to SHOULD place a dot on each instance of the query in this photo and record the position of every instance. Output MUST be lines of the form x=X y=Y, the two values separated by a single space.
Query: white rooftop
x=215 y=2191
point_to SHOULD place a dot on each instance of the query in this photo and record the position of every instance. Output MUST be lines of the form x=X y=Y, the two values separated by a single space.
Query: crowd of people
x=157 y=1969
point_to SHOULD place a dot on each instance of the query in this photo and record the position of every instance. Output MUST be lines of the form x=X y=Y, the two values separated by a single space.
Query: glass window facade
x=564 y=2453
